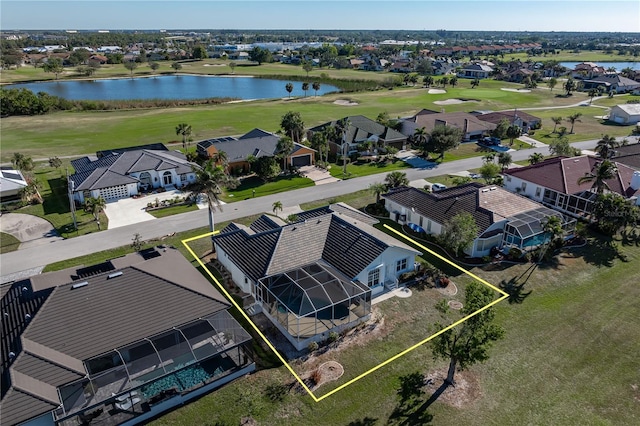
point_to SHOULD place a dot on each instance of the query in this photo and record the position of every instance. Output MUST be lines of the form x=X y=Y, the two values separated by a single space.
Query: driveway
x=414 y=161
x=128 y=211
x=30 y=230
x=318 y=175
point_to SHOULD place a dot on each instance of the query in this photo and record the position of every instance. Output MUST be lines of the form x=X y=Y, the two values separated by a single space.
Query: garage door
x=114 y=192
x=303 y=160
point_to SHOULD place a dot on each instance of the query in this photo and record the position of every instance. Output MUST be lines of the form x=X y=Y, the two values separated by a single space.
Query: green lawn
x=169 y=211
x=359 y=169
x=8 y=243
x=249 y=185
x=582 y=56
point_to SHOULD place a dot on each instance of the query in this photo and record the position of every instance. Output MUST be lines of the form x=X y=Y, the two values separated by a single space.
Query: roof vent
x=493 y=188
x=485 y=190
x=79 y=285
x=114 y=275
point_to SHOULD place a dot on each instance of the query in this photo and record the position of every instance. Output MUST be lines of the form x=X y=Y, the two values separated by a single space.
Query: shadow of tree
x=411 y=410
x=367 y=421
x=516 y=295
x=56 y=202
x=600 y=251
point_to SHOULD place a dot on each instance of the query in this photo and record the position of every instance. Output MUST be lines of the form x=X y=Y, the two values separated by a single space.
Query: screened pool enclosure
x=525 y=231
x=307 y=302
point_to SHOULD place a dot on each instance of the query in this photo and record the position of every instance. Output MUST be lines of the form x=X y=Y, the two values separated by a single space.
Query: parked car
x=438 y=187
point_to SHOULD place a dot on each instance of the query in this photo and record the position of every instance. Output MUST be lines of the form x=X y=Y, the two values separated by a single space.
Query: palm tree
x=31 y=192
x=606 y=145
x=342 y=127
x=305 y=87
x=220 y=158
x=444 y=81
x=489 y=157
x=552 y=228
x=95 y=206
x=513 y=132
x=603 y=171
x=505 y=160
x=592 y=94
x=377 y=189
x=572 y=119
x=453 y=81
x=427 y=80
x=289 y=88
x=396 y=179
x=316 y=86
x=475 y=83
x=184 y=129
x=209 y=182
x=552 y=83
x=277 y=206
x=319 y=143
x=556 y=121
x=535 y=158
x=284 y=148
x=232 y=65
x=420 y=136
x=570 y=86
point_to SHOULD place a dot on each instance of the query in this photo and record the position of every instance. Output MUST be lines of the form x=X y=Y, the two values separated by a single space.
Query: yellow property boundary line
x=382 y=364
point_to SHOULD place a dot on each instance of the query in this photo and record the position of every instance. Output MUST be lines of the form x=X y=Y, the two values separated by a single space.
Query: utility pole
x=72 y=204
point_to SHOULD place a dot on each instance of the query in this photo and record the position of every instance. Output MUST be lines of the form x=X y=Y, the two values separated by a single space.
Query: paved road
x=28 y=259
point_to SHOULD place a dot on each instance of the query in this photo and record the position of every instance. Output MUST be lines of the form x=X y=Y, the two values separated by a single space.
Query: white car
x=438 y=187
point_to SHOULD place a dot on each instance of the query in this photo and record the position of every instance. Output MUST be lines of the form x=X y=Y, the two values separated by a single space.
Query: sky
x=501 y=15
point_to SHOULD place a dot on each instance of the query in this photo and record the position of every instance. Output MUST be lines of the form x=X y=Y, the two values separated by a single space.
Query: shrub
x=276 y=392
x=333 y=336
x=444 y=281
x=316 y=376
x=313 y=346
x=442 y=306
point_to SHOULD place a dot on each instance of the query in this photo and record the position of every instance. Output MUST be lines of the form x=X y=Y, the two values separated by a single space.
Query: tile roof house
x=362 y=129
x=118 y=342
x=472 y=127
x=554 y=183
x=121 y=174
x=316 y=275
x=629 y=155
x=520 y=118
x=475 y=71
x=611 y=82
x=257 y=143
x=503 y=219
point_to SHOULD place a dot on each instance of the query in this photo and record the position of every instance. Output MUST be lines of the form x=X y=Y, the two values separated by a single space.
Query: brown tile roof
x=462 y=120
x=562 y=174
x=17 y=407
x=497 y=117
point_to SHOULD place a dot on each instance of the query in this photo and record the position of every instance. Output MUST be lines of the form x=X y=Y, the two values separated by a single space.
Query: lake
x=172 y=87
x=619 y=66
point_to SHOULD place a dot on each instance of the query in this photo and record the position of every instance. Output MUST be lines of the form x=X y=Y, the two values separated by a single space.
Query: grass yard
x=8 y=243
x=251 y=184
x=581 y=56
x=365 y=169
x=170 y=211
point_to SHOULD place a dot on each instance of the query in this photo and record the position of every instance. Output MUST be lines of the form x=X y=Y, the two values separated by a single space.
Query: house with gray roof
x=611 y=82
x=479 y=71
x=316 y=275
x=257 y=143
x=472 y=127
x=11 y=184
x=121 y=174
x=361 y=130
x=119 y=342
x=503 y=219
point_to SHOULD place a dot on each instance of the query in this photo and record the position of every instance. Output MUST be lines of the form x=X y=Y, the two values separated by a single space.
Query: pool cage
x=525 y=232
x=309 y=301
x=176 y=360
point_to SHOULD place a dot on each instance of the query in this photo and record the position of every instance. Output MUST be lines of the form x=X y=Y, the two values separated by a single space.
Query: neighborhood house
x=316 y=275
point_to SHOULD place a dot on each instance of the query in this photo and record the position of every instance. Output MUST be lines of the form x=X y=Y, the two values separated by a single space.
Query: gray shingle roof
x=44 y=371
x=362 y=128
x=17 y=407
x=445 y=204
x=257 y=142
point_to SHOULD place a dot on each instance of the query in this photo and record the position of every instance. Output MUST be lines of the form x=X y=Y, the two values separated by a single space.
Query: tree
x=292 y=124
x=209 y=182
x=556 y=121
x=320 y=143
x=277 y=206
x=378 y=189
x=136 y=242
x=154 y=66
x=459 y=232
x=475 y=83
x=504 y=160
x=307 y=66
x=561 y=147
x=305 y=87
x=53 y=65
x=22 y=162
x=95 y=206
x=444 y=81
x=342 y=128
x=427 y=80
x=232 y=65
x=396 y=179
x=604 y=171
x=260 y=55
x=79 y=56
x=500 y=131
x=185 y=131
x=220 y=158
x=453 y=81
x=444 y=138
x=283 y=149
x=513 y=131
x=420 y=137
x=592 y=93
x=131 y=65
x=535 y=158
x=489 y=172
x=572 y=119
x=552 y=83
x=176 y=66
x=289 y=88
x=613 y=213
x=30 y=193
x=266 y=168
x=553 y=231
x=316 y=86
x=469 y=342
x=569 y=86
x=200 y=52
x=55 y=162
x=606 y=146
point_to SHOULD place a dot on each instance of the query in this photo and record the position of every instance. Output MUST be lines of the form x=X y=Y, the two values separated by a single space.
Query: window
x=508 y=178
x=374 y=277
x=401 y=265
x=524 y=186
x=538 y=190
x=183 y=178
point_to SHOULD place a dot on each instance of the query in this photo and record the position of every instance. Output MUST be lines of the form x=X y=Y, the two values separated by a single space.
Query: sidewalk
x=534 y=143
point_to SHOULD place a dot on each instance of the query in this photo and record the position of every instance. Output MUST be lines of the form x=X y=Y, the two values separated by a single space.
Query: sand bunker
x=344 y=102
x=450 y=102
x=437 y=91
x=515 y=90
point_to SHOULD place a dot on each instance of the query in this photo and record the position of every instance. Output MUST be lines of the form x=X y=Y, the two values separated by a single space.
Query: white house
x=316 y=275
x=121 y=174
x=625 y=114
x=475 y=71
x=11 y=183
x=503 y=219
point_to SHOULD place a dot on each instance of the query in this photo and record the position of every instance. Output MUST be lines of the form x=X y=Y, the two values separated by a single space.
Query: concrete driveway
x=410 y=157
x=30 y=230
x=128 y=211
x=318 y=175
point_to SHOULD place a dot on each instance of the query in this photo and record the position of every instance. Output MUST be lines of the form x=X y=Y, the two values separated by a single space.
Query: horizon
x=528 y=16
